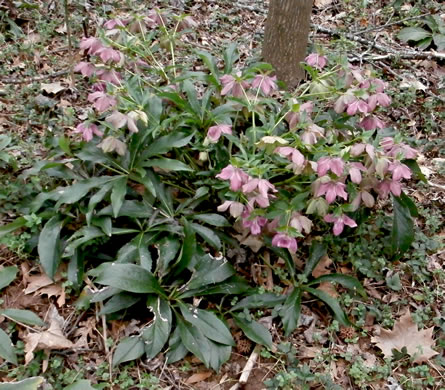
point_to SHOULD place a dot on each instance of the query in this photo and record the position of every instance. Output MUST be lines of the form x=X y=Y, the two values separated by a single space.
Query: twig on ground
x=36 y=78
x=382 y=27
x=408 y=54
x=248 y=368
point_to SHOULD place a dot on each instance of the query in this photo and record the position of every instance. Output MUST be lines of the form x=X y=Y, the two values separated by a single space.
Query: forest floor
x=38 y=101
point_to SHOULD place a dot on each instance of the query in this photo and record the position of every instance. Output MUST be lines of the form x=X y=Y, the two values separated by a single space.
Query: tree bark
x=285 y=38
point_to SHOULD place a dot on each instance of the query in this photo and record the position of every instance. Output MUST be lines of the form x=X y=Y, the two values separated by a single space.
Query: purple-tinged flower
x=365 y=197
x=87 y=130
x=312 y=134
x=231 y=84
x=235 y=208
x=293 y=118
x=387 y=143
x=378 y=85
x=92 y=44
x=108 y=54
x=378 y=99
x=293 y=154
x=282 y=240
x=101 y=101
x=358 y=105
x=355 y=174
x=371 y=122
x=153 y=18
x=86 y=68
x=300 y=223
x=260 y=200
x=266 y=83
x=332 y=189
x=110 y=24
x=333 y=164
x=99 y=87
x=109 y=75
x=112 y=144
x=255 y=224
x=399 y=171
x=343 y=101
x=188 y=23
x=393 y=149
x=339 y=222
x=236 y=176
x=214 y=132
x=387 y=186
x=316 y=60
x=262 y=185
x=119 y=120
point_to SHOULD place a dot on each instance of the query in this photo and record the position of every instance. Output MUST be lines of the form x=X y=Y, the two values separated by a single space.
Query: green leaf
x=118 y=194
x=413 y=34
x=26 y=384
x=118 y=302
x=72 y=194
x=176 y=349
x=424 y=43
x=290 y=312
x=13 y=226
x=317 y=251
x=210 y=62
x=230 y=57
x=82 y=236
x=212 y=219
x=130 y=348
x=194 y=340
x=7 y=275
x=49 y=246
x=97 y=198
x=210 y=270
x=208 y=323
x=402 y=228
x=256 y=301
x=129 y=277
x=207 y=234
x=7 y=351
x=82 y=384
x=192 y=98
x=167 y=163
x=24 y=316
x=393 y=282
x=219 y=355
x=156 y=334
x=188 y=248
x=164 y=144
x=232 y=286
x=332 y=303
x=168 y=249
x=345 y=280
x=412 y=164
x=439 y=41
x=129 y=208
x=254 y=331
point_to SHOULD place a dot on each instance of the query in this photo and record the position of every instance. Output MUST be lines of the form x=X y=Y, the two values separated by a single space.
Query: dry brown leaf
x=52 y=87
x=37 y=282
x=322 y=3
x=322 y=267
x=54 y=290
x=198 y=377
x=52 y=338
x=418 y=343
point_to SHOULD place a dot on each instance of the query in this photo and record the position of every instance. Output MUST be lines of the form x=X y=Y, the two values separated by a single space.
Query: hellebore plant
x=142 y=185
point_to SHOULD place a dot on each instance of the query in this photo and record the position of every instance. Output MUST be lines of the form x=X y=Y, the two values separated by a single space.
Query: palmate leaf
x=118 y=194
x=210 y=270
x=23 y=316
x=118 y=302
x=26 y=384
x=253 y=330
x=49 y=246
x=176 y=348
x=255 y=301
x=403 y=227
x=7 y=351
x=413 y=34
x=345 y=280
x=7 y=275
x=332 y=303
x=156 y=334
x=290 y=311
x=195 y=341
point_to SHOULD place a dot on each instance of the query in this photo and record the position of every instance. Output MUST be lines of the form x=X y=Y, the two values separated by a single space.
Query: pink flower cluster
x=238 y=87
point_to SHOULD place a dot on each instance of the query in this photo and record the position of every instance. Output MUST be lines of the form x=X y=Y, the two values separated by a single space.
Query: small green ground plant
x=140 y=187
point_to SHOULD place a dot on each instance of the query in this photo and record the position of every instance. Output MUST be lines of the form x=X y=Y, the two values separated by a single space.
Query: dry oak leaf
x=405 y=334
x=52 y=338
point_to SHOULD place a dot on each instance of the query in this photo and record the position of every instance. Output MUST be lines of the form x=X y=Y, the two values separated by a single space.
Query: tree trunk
x=286 y=36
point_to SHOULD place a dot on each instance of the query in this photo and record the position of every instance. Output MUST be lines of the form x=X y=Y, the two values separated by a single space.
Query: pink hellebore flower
x=312 y=134
x=119 y=120
x=332 y=189
x=235 y=208
x=236 y=176
x=153 y=19
x=293 y=154
x=99 y=87
x=339 y=222
x=358 y=149
x=333 y=164
x=263 y=186
x=393 y=149
x=282 y=240
x=86 y=68
x=108 y=54
x=358 y=105
x=301 y=223
x=316 y=60
x=87 y=130
x=266 y=83
x=109 y=25
x=214 y=132
x=378 y=99
x=354 y=172
x=294 y=117
x=399 y=171
x=101 y=101
x=365 y=197
x=342 y=102
x=260 y=200
x=387 y=186
x=231 y=84
x=371 y=122
x=255 y=224
x=110 y=76
x=92 y=44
